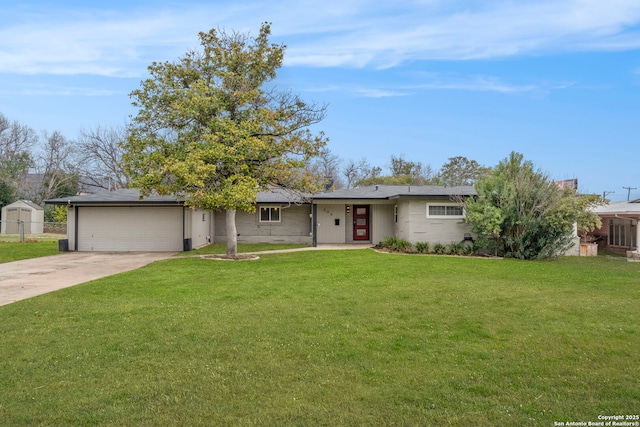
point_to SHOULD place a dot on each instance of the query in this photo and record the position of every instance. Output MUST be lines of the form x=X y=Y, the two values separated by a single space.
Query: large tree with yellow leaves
x=214 y=129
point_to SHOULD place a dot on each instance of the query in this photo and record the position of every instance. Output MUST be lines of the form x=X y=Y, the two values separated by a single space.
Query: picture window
x=445 y=211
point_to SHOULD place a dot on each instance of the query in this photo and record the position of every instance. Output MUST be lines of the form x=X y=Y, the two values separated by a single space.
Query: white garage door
x=130 y=229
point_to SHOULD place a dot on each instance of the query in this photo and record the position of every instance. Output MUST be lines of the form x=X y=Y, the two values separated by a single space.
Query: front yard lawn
x=329 y=338
x=221 y=248
x=14 y=251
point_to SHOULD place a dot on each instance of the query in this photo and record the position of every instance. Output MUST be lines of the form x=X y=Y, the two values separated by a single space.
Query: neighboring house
x=619 y=231
x=22 y=216
x=121 y=221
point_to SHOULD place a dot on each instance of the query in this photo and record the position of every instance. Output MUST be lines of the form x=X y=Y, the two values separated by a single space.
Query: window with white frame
x=269 y=214
x=443 y=210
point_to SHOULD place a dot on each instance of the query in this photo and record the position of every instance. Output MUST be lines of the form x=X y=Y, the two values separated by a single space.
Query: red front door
x=360 y=222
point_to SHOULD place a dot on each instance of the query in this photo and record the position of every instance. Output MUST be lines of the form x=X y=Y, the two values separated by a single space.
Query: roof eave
x=616 y=214
x=430 y=196
x=351 y=198
x=115 y=202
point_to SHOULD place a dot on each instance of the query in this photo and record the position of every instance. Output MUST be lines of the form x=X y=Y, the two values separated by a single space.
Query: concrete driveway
x=27 y=278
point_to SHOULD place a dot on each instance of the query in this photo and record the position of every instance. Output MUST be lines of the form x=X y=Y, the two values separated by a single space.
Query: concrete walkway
x=30 y=277
x=317 y=248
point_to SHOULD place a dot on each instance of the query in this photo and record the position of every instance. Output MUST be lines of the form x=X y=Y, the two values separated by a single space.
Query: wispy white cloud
x=70 y=42
x=361 y=91
x=347 y=33
x=484 y=83
x=459 y=30
x=434 y=81
x=378 y=92
x=56 y=90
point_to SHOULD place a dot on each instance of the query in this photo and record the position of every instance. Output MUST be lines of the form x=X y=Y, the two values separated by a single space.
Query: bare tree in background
x=99 y=158
x=410 y=172
x=55 y=174
x=16 y=143
x=356 y=172
x=461 y=171
x=327 y=165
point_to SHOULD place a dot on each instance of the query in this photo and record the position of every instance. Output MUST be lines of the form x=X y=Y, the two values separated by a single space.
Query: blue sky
x=556 y=80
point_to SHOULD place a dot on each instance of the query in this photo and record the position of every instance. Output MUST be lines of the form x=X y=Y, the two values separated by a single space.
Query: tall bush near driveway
x=521 y=213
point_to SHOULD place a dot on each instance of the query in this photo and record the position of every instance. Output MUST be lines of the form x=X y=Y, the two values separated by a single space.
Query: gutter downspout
x=314 y=224
x=187 y=228
x=76 y=227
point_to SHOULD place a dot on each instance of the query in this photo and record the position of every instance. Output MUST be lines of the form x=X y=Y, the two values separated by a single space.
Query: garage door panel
x=130 y=229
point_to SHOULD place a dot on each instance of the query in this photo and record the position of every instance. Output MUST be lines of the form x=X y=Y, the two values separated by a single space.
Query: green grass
x=14 y=251
x=32 y=237
x=221 y=248
x=328 y=338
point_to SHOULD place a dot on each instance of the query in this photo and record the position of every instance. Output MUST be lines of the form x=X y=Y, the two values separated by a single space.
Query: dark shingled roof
x=132 y=196
x=277 y=195
x=388 y=192
x=121 y=196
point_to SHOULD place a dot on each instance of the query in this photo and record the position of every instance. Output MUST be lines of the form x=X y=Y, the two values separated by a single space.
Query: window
x=444 y=211
x=395 y=213
x=622 y=232
x=269 y=214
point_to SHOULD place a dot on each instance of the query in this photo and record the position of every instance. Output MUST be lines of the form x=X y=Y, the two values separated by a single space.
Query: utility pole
x=606 y=193
x=629 y=192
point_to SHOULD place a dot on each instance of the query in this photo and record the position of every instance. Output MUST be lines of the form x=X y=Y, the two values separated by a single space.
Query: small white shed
x=22 y=213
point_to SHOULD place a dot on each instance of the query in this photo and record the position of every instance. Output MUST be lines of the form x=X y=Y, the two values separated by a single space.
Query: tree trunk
x=232 y=233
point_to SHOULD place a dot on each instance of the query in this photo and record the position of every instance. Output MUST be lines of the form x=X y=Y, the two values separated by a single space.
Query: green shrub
x=396 y=245
x=404 y=246
x=469 y=249
x=388 y=242
x=520 y=213
x=422 y=247
x=456 y=249
x=440 y=249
